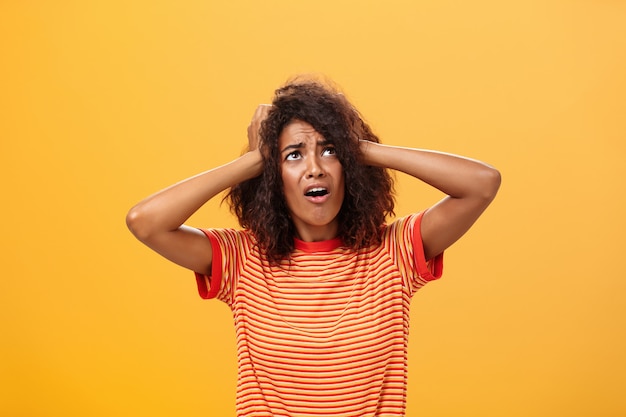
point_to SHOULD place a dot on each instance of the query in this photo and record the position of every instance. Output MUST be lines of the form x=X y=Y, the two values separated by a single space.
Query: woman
x=319 y=285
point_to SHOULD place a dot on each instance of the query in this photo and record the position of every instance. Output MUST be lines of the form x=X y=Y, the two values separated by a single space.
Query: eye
x=292 y=156
x=329 y=150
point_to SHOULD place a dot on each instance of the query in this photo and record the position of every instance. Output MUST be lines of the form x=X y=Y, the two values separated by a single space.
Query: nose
x=315 y=168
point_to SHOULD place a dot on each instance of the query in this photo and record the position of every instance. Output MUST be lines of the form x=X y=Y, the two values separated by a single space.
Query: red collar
x=321 y=246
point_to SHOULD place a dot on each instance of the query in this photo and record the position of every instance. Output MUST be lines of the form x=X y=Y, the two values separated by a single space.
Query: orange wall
x=104 y=102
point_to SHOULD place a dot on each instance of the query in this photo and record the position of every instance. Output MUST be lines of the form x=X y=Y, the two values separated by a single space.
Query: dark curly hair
x=259 y=203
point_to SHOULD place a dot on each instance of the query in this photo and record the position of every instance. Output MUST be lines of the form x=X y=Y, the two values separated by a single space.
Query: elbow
x=137 y=223
x=490 y=180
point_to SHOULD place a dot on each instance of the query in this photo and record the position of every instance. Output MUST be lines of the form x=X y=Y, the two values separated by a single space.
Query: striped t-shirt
x=325 y=332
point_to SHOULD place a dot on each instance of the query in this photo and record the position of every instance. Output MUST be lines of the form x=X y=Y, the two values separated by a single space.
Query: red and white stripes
x=325 y=332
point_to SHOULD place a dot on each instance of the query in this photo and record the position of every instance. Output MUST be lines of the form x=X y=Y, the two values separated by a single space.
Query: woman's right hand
x=157 y=221
x=260 y=114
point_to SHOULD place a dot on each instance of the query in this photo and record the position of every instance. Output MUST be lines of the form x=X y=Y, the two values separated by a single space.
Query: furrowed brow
x=292 y=146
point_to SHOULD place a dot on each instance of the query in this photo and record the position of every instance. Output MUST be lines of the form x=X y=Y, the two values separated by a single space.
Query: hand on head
x=260 y=114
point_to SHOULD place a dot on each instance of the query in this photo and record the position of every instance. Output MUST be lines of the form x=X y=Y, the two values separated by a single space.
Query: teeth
x=316 y=192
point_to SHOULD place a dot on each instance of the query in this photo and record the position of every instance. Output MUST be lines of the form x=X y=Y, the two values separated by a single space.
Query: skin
x=469 y=186
x=308 y=161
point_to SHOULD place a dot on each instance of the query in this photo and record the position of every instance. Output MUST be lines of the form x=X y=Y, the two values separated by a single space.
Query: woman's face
x=313 y=181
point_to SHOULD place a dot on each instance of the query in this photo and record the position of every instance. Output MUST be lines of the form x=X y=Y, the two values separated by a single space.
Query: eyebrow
x=301 y=145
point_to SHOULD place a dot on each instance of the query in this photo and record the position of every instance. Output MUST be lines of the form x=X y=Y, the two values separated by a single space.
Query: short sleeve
x=427 y=270
x=229 y=253
x=404 y=240
x=208 y=286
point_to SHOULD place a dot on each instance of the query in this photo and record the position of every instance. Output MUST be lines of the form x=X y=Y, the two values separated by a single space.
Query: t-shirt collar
x=321 y=246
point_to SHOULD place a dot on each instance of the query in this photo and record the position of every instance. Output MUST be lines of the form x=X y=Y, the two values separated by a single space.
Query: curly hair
x=260 y=204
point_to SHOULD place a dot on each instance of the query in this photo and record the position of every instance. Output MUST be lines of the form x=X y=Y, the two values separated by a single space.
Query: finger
x=262 y=110
x=260 y=114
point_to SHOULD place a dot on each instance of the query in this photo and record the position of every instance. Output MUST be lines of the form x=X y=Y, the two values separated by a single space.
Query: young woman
x=319 y=284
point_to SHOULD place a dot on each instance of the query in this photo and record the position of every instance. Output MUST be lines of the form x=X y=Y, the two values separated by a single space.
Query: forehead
x=298 y=131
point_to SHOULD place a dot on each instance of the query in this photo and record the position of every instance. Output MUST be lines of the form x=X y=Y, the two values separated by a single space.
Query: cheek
x=290 y=184
x=342 y=190
x=339 y=174
x=340 y=184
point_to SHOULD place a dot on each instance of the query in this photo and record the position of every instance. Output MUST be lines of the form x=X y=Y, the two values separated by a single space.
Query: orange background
x=104 y=102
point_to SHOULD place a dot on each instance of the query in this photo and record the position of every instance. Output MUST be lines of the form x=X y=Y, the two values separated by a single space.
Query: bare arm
x=470 y=187
x=157 y=221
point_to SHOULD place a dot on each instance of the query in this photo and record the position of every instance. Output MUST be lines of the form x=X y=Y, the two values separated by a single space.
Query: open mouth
x=316 y=192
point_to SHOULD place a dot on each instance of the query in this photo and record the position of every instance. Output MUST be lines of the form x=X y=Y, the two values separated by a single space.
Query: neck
x=317 y=234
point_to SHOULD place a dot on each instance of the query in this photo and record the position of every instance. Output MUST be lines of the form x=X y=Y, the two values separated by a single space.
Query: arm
x=157 y=221
x=470 y=187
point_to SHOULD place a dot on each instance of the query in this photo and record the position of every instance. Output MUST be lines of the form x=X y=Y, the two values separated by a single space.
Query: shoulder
x=227 y=232
x=402 y=226
x=230 y=238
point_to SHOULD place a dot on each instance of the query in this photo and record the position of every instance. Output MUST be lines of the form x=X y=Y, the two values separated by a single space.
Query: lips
x=316 y=193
